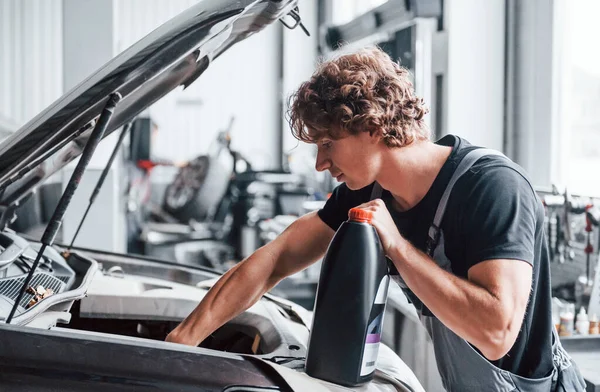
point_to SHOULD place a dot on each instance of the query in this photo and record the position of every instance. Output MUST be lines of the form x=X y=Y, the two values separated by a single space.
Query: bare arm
x=487 y=310
x=300 y=245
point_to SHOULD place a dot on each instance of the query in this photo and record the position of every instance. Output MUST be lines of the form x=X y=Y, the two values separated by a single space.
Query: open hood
x=175 y=54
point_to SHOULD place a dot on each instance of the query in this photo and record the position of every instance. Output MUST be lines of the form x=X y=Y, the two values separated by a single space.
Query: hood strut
x=101 y=180
x=63 y=204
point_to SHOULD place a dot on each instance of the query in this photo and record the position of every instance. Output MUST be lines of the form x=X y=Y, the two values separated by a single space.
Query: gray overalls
x=461 y=367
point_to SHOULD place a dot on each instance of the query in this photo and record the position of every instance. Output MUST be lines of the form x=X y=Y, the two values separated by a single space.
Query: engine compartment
x=134 y=304
x=56 y=283
x=232 y=338
x=111 y=313
x=130 y=296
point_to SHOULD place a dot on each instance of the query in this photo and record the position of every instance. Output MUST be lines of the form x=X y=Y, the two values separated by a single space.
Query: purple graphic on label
x=373 y=338
x=374 y=329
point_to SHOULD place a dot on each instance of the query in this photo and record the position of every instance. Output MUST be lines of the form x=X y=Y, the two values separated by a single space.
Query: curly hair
x=358 y=92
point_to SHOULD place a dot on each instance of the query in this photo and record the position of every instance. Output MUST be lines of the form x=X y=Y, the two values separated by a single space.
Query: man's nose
x=322 y=163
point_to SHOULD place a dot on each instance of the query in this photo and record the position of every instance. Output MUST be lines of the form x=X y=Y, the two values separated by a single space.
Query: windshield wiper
x=65 y=199
x=101 y=180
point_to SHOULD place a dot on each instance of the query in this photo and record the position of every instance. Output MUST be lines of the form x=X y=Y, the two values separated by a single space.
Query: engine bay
x=133 y=297
x=55 y=284
x=230 y=338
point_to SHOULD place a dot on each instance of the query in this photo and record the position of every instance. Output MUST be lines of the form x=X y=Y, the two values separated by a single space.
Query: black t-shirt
x=493 y=213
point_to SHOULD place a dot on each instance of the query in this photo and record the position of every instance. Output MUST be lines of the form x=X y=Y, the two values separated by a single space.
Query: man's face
x=352 y=159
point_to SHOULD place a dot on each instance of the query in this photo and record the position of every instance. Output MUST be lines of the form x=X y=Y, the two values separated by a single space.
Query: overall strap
x=465 y=164
x=376 y=192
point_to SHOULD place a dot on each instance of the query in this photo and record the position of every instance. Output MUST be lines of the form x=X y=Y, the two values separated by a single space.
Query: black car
x=76 y=319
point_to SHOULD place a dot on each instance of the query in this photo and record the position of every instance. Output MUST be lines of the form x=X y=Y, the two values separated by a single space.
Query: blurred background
x=210 y=173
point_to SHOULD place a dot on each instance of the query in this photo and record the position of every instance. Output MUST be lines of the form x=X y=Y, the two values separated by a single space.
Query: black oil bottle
x=350 y=304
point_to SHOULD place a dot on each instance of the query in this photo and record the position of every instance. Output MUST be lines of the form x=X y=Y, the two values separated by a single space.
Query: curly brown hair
x=358 y=92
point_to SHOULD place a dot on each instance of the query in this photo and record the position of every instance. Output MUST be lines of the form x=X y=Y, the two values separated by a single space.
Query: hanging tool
x=592 y=219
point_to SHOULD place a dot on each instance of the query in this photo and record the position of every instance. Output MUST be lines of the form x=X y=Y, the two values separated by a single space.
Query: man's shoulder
x=497 y=171
x=491 y=179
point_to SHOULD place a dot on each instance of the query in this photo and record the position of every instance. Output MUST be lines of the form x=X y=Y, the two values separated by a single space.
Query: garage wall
x=475 y=100
x=300 y=58
x=535 y=117
x=31 y=76
x=31 y=57
x=241 y=83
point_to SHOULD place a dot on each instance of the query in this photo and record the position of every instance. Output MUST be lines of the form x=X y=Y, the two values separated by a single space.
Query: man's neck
x=409 y=172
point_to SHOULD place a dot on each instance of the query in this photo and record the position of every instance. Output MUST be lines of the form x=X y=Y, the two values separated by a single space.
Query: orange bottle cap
x=360 y=215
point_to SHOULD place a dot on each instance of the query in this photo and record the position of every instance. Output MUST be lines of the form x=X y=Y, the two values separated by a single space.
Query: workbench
x=585 y=351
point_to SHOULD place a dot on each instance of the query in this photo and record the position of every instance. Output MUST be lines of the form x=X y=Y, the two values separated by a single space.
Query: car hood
x=115 y=292
x=175 y=54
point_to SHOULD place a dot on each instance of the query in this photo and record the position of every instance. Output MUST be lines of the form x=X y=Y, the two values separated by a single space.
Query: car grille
x=9 y=287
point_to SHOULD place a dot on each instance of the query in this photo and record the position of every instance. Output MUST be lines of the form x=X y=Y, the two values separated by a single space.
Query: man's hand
x=487 y=309
x=301 y=244
x=384 y=224
x=179 y=336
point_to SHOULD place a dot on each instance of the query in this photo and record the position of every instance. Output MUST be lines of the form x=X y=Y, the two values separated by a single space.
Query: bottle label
x=373 y=339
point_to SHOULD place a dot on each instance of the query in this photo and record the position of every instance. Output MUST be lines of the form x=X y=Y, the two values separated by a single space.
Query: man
x=478 y=272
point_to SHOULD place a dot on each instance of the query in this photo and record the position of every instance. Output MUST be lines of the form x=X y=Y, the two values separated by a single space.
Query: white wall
x=49 y=46
x=7 y=126
x=475 y=99
x=85 y=50
x=535 y=110
x=299 y=62
x=87 y=38
x=32 y=74
x=241 y=83
x=30 y=57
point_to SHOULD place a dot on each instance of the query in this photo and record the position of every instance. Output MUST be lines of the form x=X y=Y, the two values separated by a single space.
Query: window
x=577 y=91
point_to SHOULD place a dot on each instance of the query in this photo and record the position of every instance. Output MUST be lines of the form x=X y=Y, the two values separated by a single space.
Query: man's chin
x=354 y=185
x=351 y=185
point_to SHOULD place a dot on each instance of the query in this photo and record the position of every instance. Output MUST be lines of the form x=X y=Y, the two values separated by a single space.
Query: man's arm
x=487 y=310
x=300 y=245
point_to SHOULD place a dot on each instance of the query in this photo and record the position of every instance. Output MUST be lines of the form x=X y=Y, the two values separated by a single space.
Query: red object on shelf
x=146 y=164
